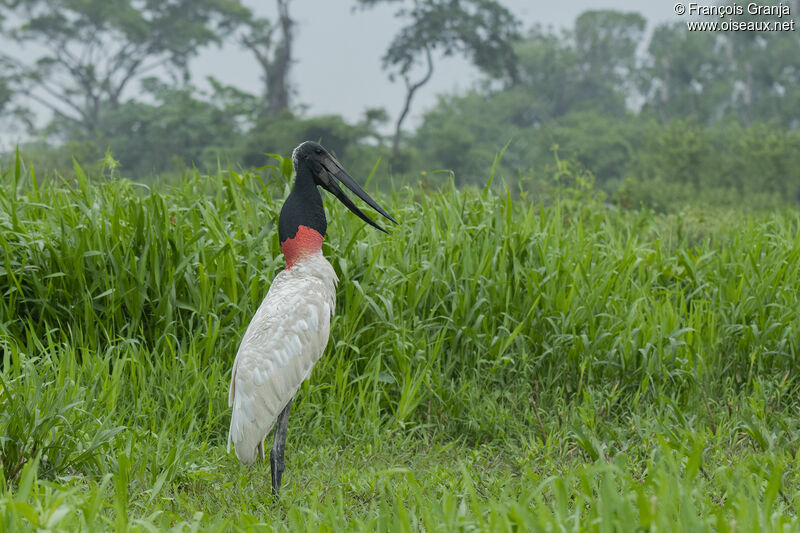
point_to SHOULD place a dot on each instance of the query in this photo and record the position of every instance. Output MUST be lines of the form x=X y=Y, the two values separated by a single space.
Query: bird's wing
x=284 y=340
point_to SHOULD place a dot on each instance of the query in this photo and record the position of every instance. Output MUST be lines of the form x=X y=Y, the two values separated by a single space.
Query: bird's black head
x=312 y=160
x=310 y=155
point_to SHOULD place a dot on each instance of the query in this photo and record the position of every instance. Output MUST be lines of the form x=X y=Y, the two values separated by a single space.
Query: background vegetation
x=658 y=115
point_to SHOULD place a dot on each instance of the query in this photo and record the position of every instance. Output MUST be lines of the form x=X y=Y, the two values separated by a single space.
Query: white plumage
x=286 y=337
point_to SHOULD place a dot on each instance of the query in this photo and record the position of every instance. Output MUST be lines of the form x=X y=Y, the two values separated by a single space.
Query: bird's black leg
x=276 y=454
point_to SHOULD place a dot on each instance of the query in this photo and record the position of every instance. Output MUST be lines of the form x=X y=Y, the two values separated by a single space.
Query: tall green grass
x=495 y=362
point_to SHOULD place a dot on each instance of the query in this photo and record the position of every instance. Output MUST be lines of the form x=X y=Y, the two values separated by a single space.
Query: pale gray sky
x=338 y=53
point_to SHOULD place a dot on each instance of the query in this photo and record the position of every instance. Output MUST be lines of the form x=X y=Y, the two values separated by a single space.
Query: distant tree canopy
x=271 y=45
x=749 y=76
x=481 y=30
x=587 y=93
x=682 y=107
x=92 y=50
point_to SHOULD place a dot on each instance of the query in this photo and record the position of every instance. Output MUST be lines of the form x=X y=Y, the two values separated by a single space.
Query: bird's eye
x=318 y=151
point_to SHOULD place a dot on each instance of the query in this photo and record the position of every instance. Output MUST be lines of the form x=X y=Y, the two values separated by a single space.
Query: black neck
x=303 y=207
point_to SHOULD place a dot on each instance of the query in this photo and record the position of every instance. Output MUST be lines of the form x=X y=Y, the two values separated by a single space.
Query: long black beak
x=335 y=169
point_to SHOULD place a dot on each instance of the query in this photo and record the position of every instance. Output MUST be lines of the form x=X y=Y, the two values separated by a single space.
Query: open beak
x=335 y=169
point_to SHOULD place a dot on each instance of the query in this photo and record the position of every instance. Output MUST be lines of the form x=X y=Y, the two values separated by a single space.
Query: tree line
x=624 y=102
x=647 y=113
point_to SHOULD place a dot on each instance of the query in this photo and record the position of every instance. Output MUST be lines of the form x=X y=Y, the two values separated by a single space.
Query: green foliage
x=449 y=137
x=482 y=30
x=726 y=164
x=682 y=77
x=495 y=363
x=689 y=141
x=608 y=39
x=636 y=159
x=697 y=117
x=178 y=131
x=280 y=134
x=49 y=422
x=562 y=96
x=271 y=46
x=605 y=45
x=89 y=51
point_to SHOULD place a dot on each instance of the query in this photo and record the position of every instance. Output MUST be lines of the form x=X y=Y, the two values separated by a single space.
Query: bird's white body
x=284 y=340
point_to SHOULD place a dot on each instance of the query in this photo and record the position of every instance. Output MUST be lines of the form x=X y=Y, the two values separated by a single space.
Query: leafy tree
x=176 y=128
x=482 y=30
x=563 y=94
x=278 y=134
x=274 y=55
x=13 y=113
x=750 y=76
x=91 y=50
x=558 y=74
x=763 y=69
x=605 y=45
x=546 y=77
x=685 y=74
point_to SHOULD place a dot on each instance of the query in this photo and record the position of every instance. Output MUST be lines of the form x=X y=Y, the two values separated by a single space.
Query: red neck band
x=306 y=242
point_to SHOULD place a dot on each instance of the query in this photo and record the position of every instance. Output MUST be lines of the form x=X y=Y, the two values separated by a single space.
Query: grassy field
x=496 y=363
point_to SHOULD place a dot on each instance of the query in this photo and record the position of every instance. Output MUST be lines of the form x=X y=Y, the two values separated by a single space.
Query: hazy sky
x=337 y=52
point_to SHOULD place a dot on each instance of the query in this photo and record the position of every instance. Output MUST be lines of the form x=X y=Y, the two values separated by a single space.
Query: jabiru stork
x=289 y=331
